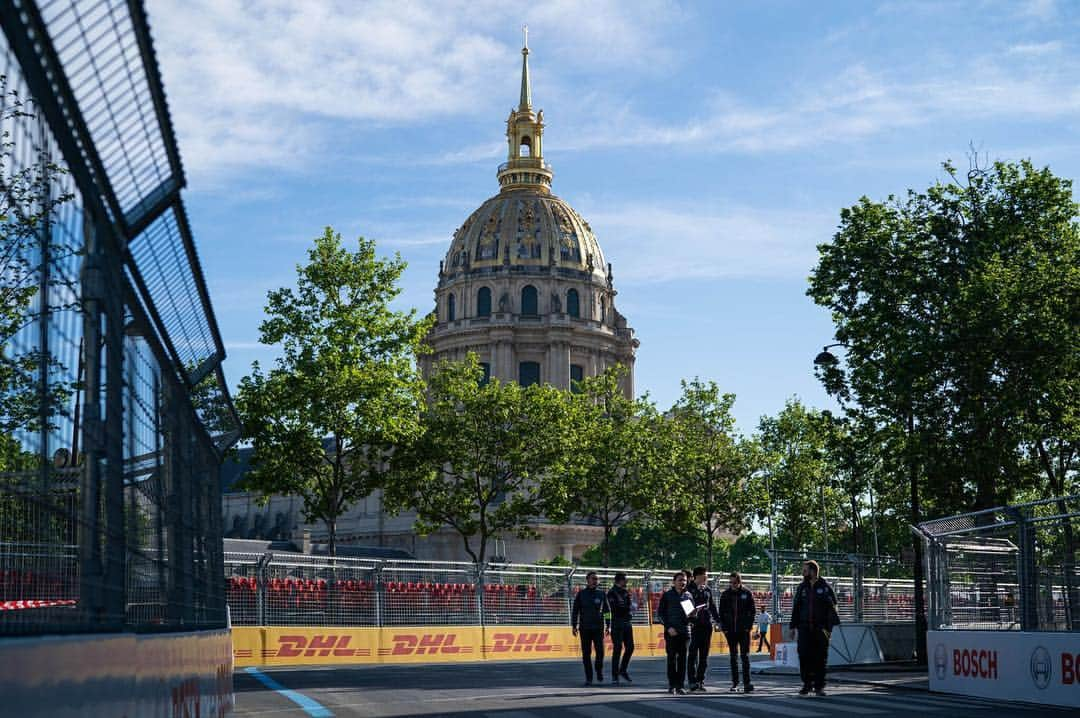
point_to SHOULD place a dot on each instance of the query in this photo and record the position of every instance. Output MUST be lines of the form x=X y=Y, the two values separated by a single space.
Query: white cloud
x=656 y=243
x=249 y=83
x=1036 y=48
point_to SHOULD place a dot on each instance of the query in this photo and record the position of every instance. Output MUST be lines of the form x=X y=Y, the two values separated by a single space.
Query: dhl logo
x=506 y=642
x=409 y=644
x=319 y=645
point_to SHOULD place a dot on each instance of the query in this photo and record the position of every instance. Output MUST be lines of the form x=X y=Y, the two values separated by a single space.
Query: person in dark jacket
x=622 y=628
x=676 y=631
x=591 y=617
x=813 y=616
x=701 y=630
x=737 y=613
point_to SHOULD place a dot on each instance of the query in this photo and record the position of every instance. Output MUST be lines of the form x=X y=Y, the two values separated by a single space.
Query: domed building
x=524 y=283
x=525 y=286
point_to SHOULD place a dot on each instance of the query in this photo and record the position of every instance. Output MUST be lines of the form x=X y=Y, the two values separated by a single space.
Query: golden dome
x=525 y=228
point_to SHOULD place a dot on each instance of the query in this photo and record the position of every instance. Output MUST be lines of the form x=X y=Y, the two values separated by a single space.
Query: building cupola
x=525 y=167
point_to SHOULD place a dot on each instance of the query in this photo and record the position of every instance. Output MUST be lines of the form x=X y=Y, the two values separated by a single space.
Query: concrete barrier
x=117 y=675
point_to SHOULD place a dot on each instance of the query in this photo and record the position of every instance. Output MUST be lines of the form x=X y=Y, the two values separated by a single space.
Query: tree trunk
x=606 y=545
x=331 y=528
x=709 y=547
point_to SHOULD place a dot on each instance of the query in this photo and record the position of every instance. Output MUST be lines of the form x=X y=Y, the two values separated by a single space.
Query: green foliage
x=647 y=545
x=625 y=451
x=799 y=476
x=715 y=467
x=554 y=561
x=961 y=309
x=28 y=200
x=490 y=458
x=346 y=390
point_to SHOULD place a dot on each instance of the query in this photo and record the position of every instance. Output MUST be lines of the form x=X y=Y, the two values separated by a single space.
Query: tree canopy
x=345 y=390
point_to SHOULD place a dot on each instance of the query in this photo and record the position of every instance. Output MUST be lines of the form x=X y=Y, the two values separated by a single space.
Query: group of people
x=689 y=614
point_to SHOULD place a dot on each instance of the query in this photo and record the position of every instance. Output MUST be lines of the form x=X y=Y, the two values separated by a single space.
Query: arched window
x=526 y=147
x=451 y=310
x=528 y=373
x=573 y=304
x=483 y=302
x=528 y=301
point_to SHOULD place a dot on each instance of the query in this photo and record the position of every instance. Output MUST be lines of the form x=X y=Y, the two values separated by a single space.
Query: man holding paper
x=701 y=636
x=675 y=611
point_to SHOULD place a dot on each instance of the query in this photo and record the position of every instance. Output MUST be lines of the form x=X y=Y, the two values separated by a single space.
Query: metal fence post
x=480 y=594
x=1026 y=572
x=380 y=587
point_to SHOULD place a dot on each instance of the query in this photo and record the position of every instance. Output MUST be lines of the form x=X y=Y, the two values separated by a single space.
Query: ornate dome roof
x=523 y=227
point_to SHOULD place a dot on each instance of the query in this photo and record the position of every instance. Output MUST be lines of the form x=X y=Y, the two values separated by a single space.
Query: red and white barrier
x=47 y=603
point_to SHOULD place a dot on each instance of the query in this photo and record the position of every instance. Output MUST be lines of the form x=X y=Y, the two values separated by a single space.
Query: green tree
x=715 y=465
x=802 y=496
x=626 y=453
x=345 y=390
x=490 y=460
x=646 y=544
x=960 y=309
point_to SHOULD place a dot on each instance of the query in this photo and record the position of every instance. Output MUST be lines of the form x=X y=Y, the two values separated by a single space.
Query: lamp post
x=825 y=358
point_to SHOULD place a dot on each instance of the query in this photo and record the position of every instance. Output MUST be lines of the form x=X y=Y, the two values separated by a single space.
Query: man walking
x=622 y=628
x=763 y=621
x=813 y=616
x=676 y=622
x=737 y=613
x=701 y=630
x=592 y=613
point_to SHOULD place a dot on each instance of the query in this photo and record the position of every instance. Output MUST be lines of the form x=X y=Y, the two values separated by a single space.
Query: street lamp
x=825 y=358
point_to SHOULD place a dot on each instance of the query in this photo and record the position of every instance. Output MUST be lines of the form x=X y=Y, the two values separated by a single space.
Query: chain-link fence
x=280 y=589
x=1006 y=568
x=113 y=409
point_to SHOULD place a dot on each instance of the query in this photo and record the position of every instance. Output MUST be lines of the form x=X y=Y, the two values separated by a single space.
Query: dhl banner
x=289 y=646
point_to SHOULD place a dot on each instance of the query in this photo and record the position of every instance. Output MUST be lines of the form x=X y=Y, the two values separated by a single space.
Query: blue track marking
x=310 y=706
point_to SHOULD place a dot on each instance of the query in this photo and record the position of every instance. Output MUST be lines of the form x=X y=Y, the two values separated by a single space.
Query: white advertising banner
x=1009 y=665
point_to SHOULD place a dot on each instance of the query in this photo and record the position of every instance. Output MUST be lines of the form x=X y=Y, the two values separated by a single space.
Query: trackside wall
x=118 y=675
x=1034 y=667
x=292 y=646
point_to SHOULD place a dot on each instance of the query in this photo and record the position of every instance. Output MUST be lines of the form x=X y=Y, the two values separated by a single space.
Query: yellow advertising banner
x=291 y=646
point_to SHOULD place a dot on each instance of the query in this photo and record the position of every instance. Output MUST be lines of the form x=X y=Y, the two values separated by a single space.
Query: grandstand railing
x=114 y=412
x=287 y=589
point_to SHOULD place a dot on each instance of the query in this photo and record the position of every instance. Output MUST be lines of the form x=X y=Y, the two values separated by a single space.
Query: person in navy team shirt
x=592 y=616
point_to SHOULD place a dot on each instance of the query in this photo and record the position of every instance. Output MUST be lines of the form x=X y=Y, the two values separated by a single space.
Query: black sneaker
x=680 y=691
x=625 y=677
x=701 y=687
x=804 y=691
x=734 y=688
x=599 y=677
x=671 y=691
x=819 y=691
x=748 y=688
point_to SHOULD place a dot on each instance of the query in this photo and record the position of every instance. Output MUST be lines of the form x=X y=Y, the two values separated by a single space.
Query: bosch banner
x=1012 y=665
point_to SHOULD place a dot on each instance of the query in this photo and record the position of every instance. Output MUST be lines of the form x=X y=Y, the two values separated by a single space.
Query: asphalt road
x=554 y=688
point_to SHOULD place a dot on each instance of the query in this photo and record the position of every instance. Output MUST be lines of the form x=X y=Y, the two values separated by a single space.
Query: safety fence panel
x=1009 y=568
x=114 y=412
x=292 y=589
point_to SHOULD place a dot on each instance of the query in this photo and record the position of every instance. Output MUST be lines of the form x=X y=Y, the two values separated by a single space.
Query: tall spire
x=526 y=87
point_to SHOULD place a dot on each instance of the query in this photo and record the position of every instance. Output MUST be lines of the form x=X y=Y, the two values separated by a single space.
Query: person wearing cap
x=813 y=617
x=622 y=628
x=676 y=631
x=701 y=630
x=592 y=615
x=737 y=613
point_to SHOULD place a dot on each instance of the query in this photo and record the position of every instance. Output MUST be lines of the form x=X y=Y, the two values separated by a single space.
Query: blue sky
x=710 y=145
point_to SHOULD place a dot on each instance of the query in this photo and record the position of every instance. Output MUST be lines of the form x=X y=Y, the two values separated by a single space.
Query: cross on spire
x=525 y=103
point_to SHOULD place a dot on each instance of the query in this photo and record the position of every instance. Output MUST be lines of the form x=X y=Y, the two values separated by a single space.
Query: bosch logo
x=1041 y=668
x=941 y=661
